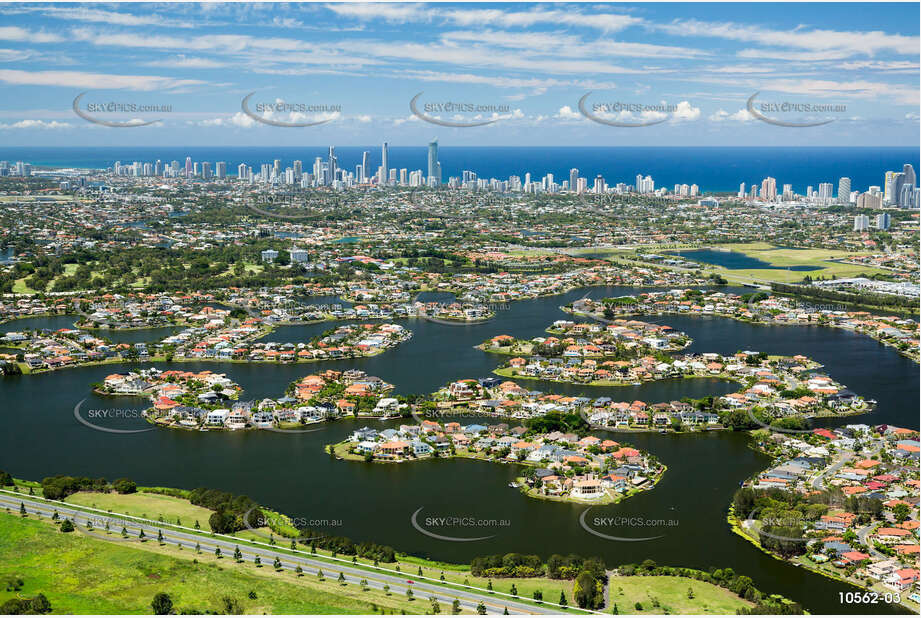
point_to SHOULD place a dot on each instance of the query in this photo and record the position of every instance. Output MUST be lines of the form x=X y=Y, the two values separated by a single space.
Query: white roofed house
x=217 y=417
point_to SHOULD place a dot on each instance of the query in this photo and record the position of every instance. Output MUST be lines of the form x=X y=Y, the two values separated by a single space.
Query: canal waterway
x=291 y=473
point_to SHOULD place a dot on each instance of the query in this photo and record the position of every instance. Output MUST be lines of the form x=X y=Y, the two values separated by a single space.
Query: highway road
x=423 y=590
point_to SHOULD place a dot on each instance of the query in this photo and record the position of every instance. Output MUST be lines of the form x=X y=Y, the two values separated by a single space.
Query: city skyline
x=897 y=188
x=693 y=70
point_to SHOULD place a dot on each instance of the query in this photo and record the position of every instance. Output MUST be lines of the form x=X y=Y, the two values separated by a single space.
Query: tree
x=257 y=561
x=690 y=592
x=124 y=486
x=298 y=571
x=901 y=511
x=237 y=554
x=160 y=536
x=562 y=599
x=436 y=608
x=481 y=609
x=455 y=606
x=162 y=604
x=142 y=536
x=409 y=594
x=585 y=590
x=341 y=578
x=538 y=595
x=67 y=526
x=277 y=564
x=22 y=509
x=514 y=591
x=217 y=552
x=40 y=604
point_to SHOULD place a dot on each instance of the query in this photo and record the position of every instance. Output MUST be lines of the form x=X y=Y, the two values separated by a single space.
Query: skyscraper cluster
x=898 y=190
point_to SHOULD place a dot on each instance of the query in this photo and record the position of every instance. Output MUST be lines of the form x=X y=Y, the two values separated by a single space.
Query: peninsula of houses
x=841 y=502
x=557 y=465
x=899 y=332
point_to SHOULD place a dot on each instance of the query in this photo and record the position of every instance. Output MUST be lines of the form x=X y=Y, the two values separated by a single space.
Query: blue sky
x=532 y=62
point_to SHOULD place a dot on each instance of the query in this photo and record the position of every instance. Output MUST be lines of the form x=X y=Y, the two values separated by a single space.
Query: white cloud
x=721 y=115
x=239 y=119
x=831 y=42
x=184 y=62
x=79 y=79
x=567 y=113
x=14 y=55
x=685 y=111
x=37 y=124
x=15 y=33
x=286 y=22
x=110 y=17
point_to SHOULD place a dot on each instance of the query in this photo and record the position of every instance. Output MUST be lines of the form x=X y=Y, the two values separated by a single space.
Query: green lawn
x=20 y=287
x=148 y=506
x=781 y=258
x=671 y=595
x=766 y=252
x=85 y=575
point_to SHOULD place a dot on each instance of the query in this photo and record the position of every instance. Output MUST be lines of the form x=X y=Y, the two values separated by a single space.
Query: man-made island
x=560 y=464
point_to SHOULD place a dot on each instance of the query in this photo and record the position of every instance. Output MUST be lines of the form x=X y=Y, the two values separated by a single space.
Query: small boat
x=637 y=383
x=514 y=485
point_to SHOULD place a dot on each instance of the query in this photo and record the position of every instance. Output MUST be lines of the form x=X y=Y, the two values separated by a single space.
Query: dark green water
x=57 y=322
x=292 y=474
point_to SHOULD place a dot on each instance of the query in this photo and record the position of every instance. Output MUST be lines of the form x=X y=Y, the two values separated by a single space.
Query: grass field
x=786 y=257
x=85 y=575
x=669 y=595
x=778 y=257
x=148 y=506
x=20 y=287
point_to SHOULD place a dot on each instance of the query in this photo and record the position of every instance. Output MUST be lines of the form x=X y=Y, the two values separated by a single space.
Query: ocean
x=713 y=169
